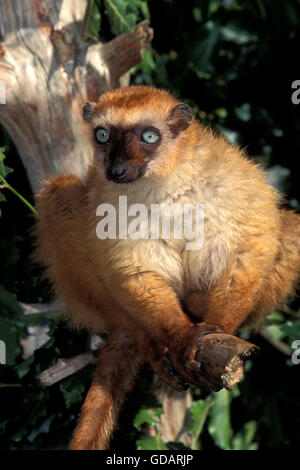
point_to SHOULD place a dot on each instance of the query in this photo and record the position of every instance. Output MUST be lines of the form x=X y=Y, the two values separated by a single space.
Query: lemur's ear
x=87 y=111
x=180 y=118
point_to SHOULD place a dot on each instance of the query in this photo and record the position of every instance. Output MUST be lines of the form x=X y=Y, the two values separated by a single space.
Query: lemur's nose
x=117 y=172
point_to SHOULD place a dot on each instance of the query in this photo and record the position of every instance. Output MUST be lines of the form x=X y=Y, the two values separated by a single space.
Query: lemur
x=155 y=298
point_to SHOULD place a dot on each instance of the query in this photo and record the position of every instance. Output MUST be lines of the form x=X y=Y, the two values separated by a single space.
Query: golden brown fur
x=249 y=261
x=105 y=397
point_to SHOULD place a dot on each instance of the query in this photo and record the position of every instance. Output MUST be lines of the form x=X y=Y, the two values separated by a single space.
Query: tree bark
x=66 y=367
x=222 y=358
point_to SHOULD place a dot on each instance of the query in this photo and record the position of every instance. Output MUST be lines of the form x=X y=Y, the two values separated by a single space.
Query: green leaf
x=291 y=329
x=23 y=368
x=275 y=317
x=72 y=390
x=151 y=443
x=249 y=432
x=150 y=416
x=4 y=170
x=119 y=20
x=136 y=5
x=275 y=331
x=123 y=15
x=219 y=420
x=243 y=440
x=92 y=20
x=198 y=411
x=143 y=6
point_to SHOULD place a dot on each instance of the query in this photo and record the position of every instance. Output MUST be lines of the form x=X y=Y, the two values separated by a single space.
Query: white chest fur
x=186 y=263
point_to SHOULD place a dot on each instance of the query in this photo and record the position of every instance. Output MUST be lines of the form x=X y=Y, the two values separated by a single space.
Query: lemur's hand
x=175 y=361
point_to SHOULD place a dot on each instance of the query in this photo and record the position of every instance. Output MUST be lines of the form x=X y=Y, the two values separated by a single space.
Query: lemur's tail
x=116 y=369
x=284 y=279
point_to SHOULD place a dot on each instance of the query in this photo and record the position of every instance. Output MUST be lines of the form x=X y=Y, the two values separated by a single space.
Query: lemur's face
x=136 y=132
x=127 y=150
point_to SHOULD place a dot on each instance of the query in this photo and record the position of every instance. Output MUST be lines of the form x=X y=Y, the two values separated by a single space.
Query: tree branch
x=222 y=358
x=66 y=367
x=126 y=51
x=47 y=309
x=280 y=345
x=291 y=312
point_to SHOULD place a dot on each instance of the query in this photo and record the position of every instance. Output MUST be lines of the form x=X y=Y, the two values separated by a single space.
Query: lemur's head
x=138 y=131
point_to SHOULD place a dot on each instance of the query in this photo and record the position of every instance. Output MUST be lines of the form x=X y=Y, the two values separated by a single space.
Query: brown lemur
x=154 y=297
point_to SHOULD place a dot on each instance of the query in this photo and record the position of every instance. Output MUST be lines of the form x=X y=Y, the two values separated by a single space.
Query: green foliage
x=72 y=390
x=151 y=443
x=215 y=413
x=92 y=20
x=243 y=440
x=220 y=427
x=124 y=14
x=212 y=415
x=4 y=171
x=149 y=416
x=220 y=424
x=283 y=329
x=199 y=412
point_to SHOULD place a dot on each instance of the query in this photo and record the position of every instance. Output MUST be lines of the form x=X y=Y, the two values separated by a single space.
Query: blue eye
x=150 y=137
x=102 y=135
